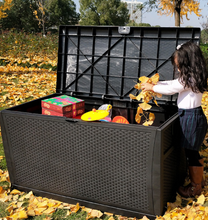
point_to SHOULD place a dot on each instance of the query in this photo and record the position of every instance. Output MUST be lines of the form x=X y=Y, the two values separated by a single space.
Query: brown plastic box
x=127 y=169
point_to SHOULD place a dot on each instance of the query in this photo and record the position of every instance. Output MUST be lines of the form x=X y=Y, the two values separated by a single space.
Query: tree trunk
x=177 y=12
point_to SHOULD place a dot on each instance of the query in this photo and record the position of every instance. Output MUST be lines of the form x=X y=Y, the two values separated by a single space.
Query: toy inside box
x=63 y=105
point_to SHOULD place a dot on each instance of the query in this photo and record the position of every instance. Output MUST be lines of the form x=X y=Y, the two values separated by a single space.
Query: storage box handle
x=124 y=30
x=72 y=120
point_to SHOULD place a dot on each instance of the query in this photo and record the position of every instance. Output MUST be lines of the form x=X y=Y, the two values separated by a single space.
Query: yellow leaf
x=39 y=211
x=155 y=102
x=151 y=116
x=19 y=204
x=94 y=214
x=132 y=96
x=145 y=106
x=68 y=213
x=139 y=110
x=201 y=199
x=1 y=190
x=15 y=197
x=31 y=212
x=42 y=204
x=88 y=210
x=109 y=214
x=147 y=123
x=34 y=201
x=140 y=96
x=49 y=211
x=22 y=214
x=15 y=191
x=138 y=118
x=28 y=195
x=15 y=216
x=155 y=78
x=10 y=208
x=138 y=86
x=147 y=96
x=143 y=79
x=75 y=208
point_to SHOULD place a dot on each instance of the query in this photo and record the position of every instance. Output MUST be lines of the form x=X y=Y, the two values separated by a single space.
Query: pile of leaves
x=18 y=86
x=35 y=62
x=28 y=65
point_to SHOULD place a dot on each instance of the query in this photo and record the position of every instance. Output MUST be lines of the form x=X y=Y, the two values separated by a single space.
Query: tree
x=103 y=12
x=204 y=33
x=62 y=12
x=40 y=14
x=37 y=15
x=4 y=6
x=178 y=8
x=20 y=16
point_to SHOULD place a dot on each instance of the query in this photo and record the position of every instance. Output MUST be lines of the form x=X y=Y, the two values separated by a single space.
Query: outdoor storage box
x=127 y=169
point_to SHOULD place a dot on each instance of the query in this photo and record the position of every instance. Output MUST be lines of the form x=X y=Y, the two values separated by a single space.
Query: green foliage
x=204 y=36
x=103 y=12
x=204 y=48
x=62 y=12
x=21 y=16
x=3 y=212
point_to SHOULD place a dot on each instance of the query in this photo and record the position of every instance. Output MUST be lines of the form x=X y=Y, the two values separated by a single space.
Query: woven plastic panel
x=171 y=177
x=100 y=164
x=167 y=139
x=173 y=163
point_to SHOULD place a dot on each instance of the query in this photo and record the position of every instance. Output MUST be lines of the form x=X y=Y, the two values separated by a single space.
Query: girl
x=190 y=85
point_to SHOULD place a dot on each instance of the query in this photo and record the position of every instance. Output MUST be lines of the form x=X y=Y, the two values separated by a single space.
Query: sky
x=167 y=21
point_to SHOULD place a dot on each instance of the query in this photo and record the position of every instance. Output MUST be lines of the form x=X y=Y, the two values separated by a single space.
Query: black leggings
x=193 y=157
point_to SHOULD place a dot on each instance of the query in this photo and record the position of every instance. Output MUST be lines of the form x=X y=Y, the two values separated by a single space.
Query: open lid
x=106 y=61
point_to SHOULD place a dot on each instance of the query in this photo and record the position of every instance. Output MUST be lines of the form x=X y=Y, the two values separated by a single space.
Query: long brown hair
x=188 y=58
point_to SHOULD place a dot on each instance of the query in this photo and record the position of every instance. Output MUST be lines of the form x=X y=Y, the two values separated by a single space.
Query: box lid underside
x=100 y=62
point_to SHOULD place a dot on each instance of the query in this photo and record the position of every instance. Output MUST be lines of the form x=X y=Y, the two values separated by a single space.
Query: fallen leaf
x=49 y=211
x=145 y=106
x=75 y=208
x=94 y=214
x=201 y=199
x=15 y=192
x=22 y=214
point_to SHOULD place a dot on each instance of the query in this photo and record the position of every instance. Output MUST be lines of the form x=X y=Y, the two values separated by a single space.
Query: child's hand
x=147 y=87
